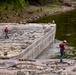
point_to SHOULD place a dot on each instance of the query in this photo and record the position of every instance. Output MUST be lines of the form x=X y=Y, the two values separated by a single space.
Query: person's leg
x=6 y=35
x=61 y=56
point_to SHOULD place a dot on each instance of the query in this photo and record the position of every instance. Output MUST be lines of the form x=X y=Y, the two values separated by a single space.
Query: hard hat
x=64 y=41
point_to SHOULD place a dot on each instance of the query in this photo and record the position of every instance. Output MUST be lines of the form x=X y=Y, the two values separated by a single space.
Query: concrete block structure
x=26 y=40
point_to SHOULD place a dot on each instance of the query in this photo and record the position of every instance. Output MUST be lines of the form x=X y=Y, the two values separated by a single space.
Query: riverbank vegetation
x=19 y=10
x=11 y=4
x=19 y=4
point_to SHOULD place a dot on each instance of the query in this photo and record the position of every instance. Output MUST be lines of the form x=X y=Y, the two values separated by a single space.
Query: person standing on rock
x=6 y=33
x=62 y=50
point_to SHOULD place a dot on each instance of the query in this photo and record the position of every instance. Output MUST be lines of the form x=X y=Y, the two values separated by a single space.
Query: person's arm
x=64 y=47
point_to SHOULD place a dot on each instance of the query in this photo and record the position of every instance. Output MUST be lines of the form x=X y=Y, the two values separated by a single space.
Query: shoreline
x=36 y=17
x=31 y=14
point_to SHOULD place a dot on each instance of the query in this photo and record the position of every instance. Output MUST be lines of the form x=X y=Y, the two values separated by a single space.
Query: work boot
x=61 y=61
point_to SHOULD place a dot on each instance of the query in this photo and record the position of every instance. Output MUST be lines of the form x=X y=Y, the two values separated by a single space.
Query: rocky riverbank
x=38 y=67
x=47 y=13
x=20 y=37
x=32 y=13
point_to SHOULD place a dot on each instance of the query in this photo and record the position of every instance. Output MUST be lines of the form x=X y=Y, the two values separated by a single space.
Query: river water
x=66 y=29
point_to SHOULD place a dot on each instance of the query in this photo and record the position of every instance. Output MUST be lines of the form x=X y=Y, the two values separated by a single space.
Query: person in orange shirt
x=62 y=50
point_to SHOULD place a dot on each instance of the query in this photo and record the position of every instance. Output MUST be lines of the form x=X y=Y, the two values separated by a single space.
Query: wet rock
x=59 y=73
x=74 y=70
x=23 y=46
x=12 y=48
x=74 y=58
x=30 y=12
x=20 y=73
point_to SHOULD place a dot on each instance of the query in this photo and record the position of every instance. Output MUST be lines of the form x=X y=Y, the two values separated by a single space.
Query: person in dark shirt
x=62 y=50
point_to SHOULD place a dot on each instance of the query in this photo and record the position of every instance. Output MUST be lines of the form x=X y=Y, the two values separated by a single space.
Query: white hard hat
x=64 y=41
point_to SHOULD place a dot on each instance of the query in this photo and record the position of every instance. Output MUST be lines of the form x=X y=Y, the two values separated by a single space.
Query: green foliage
x=18 y=4
x=21 y=2
x=11 y=4
x=27 y=2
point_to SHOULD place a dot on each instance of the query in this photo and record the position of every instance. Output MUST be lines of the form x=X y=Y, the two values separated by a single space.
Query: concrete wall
x=39 y=45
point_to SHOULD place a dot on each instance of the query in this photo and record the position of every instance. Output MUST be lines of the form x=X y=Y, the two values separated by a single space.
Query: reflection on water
x=66 y=29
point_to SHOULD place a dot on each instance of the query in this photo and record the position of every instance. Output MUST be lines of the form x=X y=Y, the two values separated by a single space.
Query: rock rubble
x=20 y=37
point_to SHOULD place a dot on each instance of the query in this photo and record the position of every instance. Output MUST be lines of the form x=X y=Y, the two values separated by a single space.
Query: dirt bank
x=32 y=13
x=35 y=17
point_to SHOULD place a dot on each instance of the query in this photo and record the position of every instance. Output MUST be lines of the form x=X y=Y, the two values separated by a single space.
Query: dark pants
x=6 y=35
x=62 y=52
